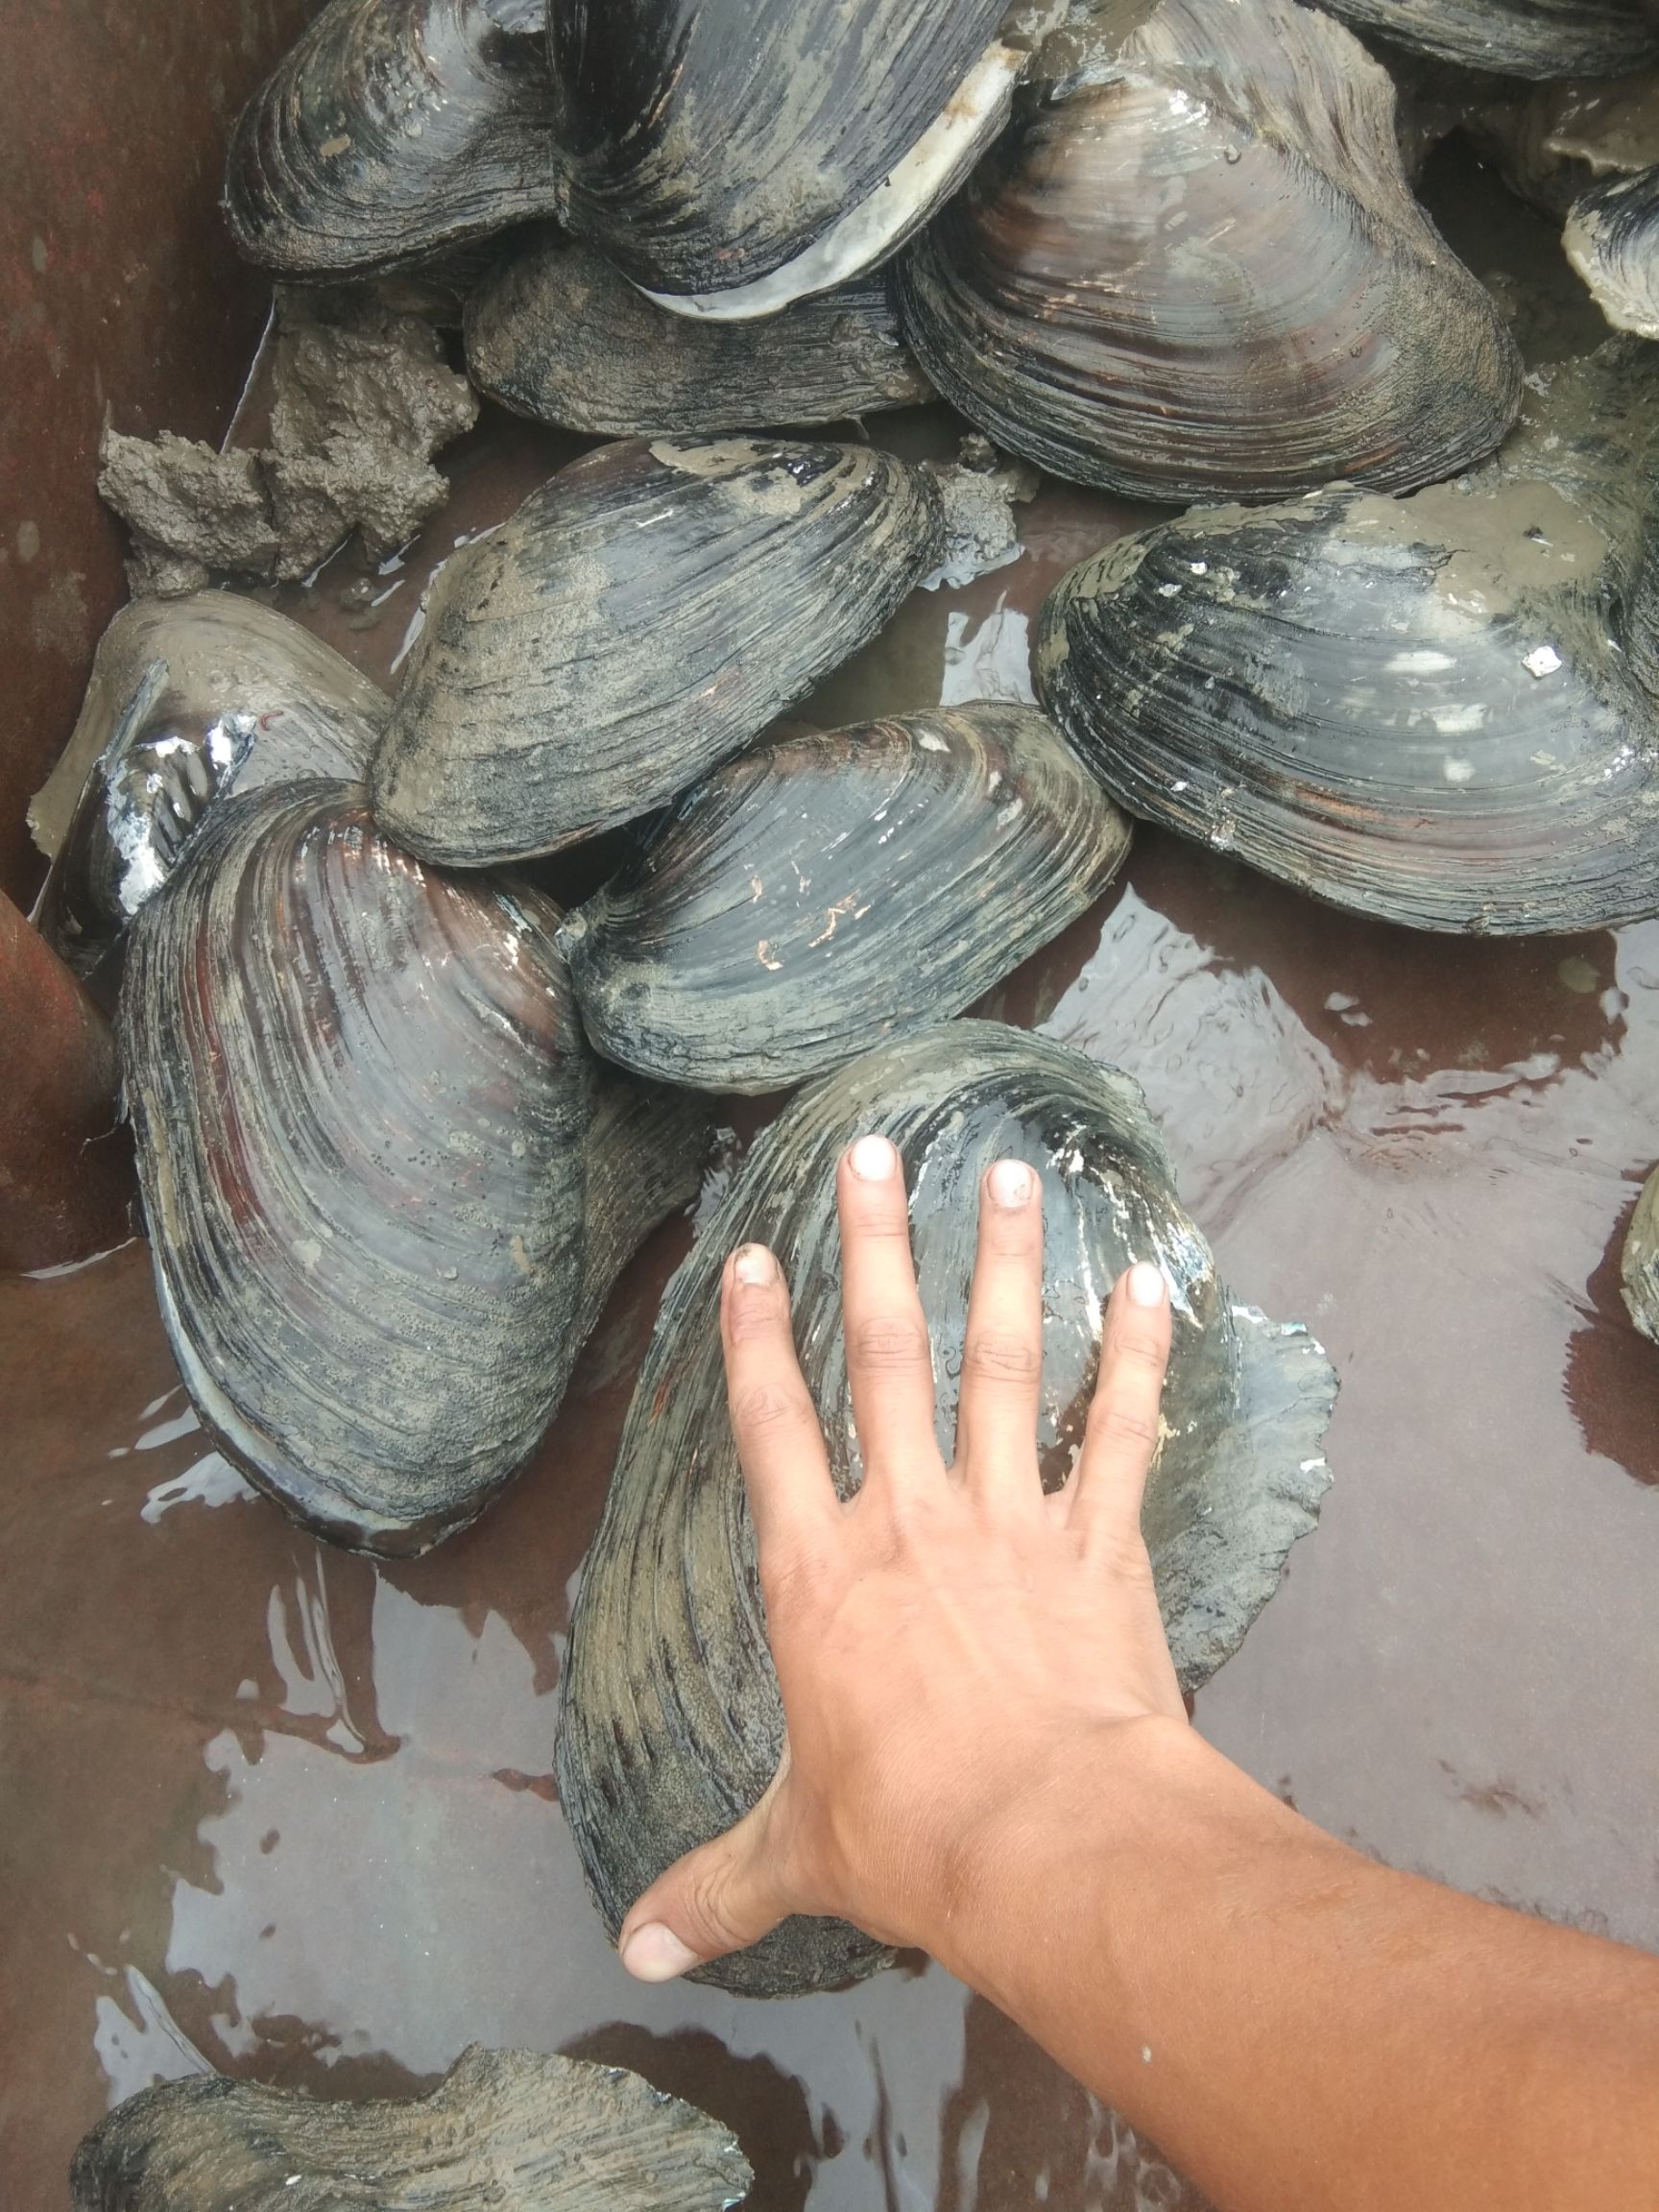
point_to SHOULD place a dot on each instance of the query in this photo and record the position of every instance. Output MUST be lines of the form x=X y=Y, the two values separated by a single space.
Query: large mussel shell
x=511 y=2130
x=1537 y=38
x=1437 y=710
x=1639 y=1264
x=1193 y=269
x=825 y=892
x=671 y=1723
x=1612 y=239
x=188 y=700
x=556 y=334
x=641 y=618
x=393 y=131
x=732 y=155
x=382 y=1173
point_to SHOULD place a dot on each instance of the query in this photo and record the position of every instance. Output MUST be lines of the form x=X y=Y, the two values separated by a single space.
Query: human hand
x=950 y=1642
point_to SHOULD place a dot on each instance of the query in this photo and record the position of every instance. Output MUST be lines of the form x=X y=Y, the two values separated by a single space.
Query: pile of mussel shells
x=401 y=1118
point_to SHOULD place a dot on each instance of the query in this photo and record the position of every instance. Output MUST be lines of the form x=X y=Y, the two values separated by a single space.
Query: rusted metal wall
x=118 y=291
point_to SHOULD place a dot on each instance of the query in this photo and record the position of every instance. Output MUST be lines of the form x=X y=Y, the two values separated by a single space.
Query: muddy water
x=280 y=1811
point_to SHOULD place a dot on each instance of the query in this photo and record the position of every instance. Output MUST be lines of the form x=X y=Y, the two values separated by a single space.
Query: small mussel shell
x=639 y=619
x=1639 y=1267
x=189 y=699
x=1519 y=37
x=1193 y=270
x=671 y=1723
x=556 y=334
x=825 y=892
x=1428 y=710
x=512 y=2129
x=393 y=129
x=1612 y=239
x=365 y=1123
x=732 y=155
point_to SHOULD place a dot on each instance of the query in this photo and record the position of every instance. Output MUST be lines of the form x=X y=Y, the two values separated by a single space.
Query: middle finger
x=889 y=1362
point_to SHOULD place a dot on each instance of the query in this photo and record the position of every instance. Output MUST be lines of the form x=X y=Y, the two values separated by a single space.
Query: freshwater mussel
x=394 y=131
x=511 y=2130
x=733 y=156
x=1438 y=710
x=1612 y=239
x=826 y=891
x=1193 y=269
x=671 y=1723
x=557 y=333
x=188 y=700
x=641 y=618
x=1639 y=1264
x=386 y=1183
x=1537 y=38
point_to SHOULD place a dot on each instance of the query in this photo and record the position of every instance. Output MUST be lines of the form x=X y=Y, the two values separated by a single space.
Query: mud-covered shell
x=512 y=2129
x=822 y=893
x=556 y=334
x=188 y=700
x=1537 y=38
x=1427 y=709
x=671 y=1723
x=639 y=619
x=1639 y=1266
x=392 y=130
x=1193 y=270
x=386 y=1184
x=732 y=155
x=1612 y=239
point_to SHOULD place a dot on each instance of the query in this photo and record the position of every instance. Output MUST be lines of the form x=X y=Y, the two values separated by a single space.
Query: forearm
x=1295 y=2026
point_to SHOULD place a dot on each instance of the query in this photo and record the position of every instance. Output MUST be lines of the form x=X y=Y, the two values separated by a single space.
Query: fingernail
x=1011 y=1183
x=1145 y=1284
x=754 y=1264
x=872 y=1159
x=654 y=1953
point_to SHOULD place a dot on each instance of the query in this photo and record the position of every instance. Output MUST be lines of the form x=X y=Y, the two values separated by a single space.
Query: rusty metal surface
x=118 y=291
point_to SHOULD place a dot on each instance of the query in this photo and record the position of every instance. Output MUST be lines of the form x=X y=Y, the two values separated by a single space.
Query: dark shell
x=188 y=700
x=386 y=1183
x=730 y=156
x=1435 y=709
x=671 y=1723
x=1552 y=142
x=824 y=892
x=392 y=130
x=641 y=619
x=1519 y=37
x=510 y=2129
x=1193 y=270
x=556 y=334
x=1639 y=1267
x=1612 y=239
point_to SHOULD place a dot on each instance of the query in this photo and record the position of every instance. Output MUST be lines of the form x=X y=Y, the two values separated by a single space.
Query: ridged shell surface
x=558 y=334
x=1535 y=39
x=189 y=699
x=393 y=129
x=641 y=619
x=511 y=2130
x=379 y=1163
x=1436 y=711
x=825 y=892
x=671 y=1723
x=1612 y=239
x=1639 y=1266
x=1193 y=269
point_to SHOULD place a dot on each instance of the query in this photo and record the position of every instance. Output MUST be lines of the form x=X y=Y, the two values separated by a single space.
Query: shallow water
x=279 y=1809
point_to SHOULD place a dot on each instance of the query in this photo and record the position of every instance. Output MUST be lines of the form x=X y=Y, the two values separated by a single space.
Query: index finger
x=780 y=1441
x=1121 y=1439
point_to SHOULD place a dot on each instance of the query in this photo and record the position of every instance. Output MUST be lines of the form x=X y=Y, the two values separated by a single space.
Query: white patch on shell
x=1542 y=661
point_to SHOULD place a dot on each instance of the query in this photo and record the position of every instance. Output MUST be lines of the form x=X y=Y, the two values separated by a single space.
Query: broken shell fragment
x=392 y=130
x=671 y=1724
x=733 y=156
x=641 y=619
x=1437 y=710
x=824 y=892
x=386 y=1184
x=1193 y=269
x=1537 y=38
x=512 y=2129
x=1639 y=1268
x=558 y=334
x=189 y=699
x=1612 y=239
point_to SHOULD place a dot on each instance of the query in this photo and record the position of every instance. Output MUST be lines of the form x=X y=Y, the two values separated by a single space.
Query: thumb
x=718 y=1898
